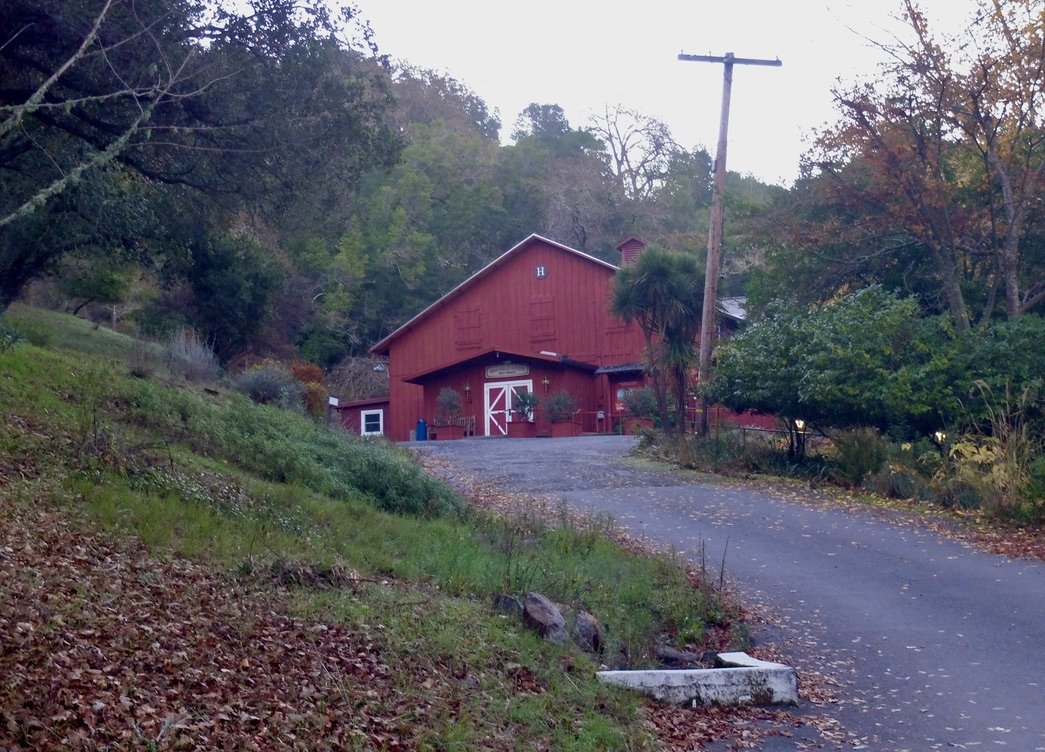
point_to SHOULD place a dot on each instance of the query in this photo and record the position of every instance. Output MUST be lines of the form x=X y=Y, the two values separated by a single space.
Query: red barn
x=536 y=319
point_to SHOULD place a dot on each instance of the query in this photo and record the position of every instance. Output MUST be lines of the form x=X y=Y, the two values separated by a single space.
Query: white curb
x=747 y=680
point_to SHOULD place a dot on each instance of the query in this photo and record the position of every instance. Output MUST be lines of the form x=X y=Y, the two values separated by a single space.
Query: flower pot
x=448 y=432
x=565 y=428
x=522 y=429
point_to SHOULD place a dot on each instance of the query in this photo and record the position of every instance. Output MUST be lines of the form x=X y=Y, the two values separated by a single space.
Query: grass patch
x=198 y=471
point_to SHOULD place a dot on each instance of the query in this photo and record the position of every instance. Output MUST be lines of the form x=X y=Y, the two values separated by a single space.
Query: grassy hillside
x=181 y=568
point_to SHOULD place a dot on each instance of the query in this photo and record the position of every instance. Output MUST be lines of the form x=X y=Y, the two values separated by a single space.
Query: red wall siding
x=511 y=308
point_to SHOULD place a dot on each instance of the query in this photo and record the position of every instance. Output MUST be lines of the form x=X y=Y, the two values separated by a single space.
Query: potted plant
x=641 y=405
x=521 y=424
x=447 y=411
x=560 y=408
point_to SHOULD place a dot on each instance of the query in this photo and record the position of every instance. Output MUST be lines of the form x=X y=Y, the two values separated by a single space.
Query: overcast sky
x=585 y=55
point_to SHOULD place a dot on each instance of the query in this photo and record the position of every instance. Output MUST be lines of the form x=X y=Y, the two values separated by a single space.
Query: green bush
x=858 y=453
x=271 y=384
x=560 y=406
x=641 y=402
x=9 y=338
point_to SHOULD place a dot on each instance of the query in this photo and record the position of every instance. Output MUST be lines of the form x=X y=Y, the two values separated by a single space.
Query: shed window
x=372 y=422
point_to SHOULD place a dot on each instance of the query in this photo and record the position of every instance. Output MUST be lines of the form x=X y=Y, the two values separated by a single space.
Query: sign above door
x=507 y=370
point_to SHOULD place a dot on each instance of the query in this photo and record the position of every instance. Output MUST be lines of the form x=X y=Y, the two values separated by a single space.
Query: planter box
x=564 y=429
x=446 y=433
x=636 y=425
x=522 y=429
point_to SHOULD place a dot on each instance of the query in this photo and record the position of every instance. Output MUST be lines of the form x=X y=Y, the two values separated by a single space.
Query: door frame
x=490 y=426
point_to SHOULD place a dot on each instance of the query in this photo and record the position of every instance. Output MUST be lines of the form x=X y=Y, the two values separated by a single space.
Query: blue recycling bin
x=421 y=432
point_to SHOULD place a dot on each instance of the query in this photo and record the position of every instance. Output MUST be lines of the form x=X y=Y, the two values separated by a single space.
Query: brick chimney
x=630 y=248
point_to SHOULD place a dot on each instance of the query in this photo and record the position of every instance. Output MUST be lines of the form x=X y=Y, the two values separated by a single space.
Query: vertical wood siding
x=563 y=308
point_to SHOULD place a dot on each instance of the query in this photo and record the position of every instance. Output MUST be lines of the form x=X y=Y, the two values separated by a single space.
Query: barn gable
x=536 y=319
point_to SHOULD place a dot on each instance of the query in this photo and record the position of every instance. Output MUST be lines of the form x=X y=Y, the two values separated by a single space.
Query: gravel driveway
x=934 y=645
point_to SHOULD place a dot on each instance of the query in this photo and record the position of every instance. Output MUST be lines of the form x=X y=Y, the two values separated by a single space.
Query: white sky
x=585 y=55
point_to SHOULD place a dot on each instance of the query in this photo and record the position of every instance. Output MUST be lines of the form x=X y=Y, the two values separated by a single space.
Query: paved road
x=937 y=646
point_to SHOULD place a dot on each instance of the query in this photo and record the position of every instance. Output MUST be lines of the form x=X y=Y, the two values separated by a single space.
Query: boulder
x=508 y=604
x=544 y=617
x=587 y=633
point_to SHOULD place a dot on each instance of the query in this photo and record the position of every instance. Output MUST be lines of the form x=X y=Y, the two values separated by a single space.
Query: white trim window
x=372 y=422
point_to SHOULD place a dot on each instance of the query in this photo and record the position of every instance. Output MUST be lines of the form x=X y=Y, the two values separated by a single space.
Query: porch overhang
x=497 y=355
x=622 y=369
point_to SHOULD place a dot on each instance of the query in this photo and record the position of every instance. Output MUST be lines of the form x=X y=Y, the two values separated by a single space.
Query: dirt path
x=933 y=644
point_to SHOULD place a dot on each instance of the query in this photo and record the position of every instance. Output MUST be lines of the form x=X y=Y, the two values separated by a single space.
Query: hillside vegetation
x=181 y=568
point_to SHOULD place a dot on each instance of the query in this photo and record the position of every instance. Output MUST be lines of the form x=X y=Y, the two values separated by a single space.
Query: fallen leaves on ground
x=103 y=646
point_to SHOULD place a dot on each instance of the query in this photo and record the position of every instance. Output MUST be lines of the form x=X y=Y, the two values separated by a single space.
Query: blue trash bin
x=421 y=431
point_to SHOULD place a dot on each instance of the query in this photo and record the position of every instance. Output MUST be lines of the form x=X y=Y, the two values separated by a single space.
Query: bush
x=144 y=359
x=315 y=399
x=641 y=402
x=307 y=373
x=448 y=404
x=858 y=453
x=9 y=338
x=271 y=384
x=524 y=403
x=191 y=357
x=560 y=406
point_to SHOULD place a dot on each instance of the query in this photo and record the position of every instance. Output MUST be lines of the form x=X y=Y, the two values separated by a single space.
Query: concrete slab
x=744 y=680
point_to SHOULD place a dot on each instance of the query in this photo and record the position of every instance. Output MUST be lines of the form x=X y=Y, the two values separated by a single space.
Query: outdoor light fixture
x=800 y=424
x=546 y=382
x=940 y=437
x=468 y=392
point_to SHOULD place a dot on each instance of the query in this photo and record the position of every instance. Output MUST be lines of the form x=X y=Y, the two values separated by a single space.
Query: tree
x=867 y=359
x=641 y=151
x=947 y=150
x=662 y=293
x=427 y=97
x=242 y=106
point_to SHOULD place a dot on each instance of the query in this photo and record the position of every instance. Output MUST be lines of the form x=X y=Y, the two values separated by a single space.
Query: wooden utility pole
x=708 y=316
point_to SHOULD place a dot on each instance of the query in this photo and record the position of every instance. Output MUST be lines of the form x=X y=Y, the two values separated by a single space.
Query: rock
x=543 y=616
x=587 y=633
x=673 y=658
x=508 y=604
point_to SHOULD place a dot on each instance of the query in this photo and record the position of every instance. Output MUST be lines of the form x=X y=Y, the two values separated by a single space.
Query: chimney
x=630 y=248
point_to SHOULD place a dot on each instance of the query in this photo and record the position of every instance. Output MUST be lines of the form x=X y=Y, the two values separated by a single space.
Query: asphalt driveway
x=934 y=645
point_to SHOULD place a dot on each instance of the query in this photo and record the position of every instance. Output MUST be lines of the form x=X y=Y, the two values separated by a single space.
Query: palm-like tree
x=663 y=293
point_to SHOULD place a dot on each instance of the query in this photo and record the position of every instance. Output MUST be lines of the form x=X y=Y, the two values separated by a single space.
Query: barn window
x=467 y=331
x=372 y=422
x=542 y=320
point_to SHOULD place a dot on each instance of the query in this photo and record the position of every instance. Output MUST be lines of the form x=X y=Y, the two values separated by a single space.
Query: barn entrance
x=499 y=397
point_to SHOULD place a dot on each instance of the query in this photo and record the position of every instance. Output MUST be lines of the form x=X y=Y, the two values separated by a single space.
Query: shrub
x=560 y=406
x=9 y=338
x=191 y=357
x=448 y=404
x=858 y=453
x=315 y=399
x=307 y=373
x=524 y=403
x=271 y=384
x=144 y=359
x=641 y=402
